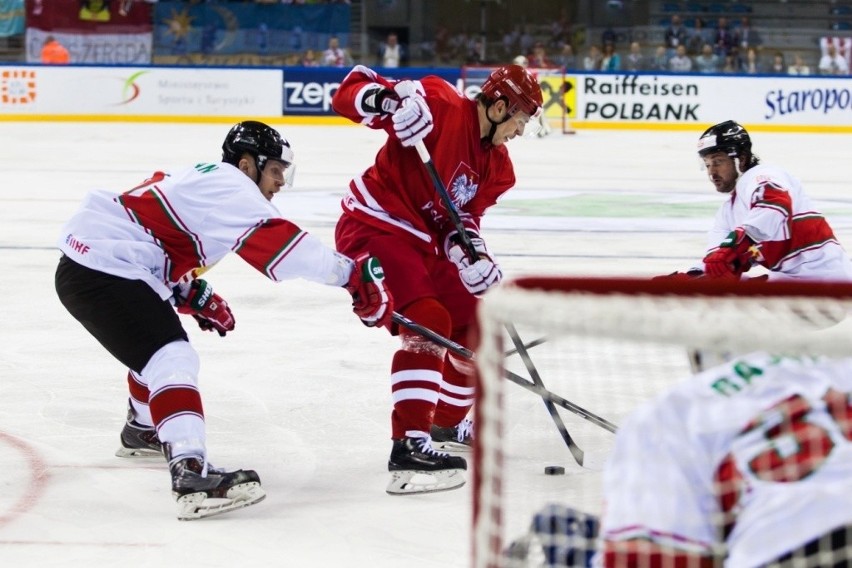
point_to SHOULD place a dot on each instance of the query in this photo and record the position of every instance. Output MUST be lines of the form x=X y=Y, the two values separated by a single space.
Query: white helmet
x=521 y=60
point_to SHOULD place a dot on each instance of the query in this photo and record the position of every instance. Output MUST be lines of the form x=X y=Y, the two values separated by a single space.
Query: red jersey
x=396 y=193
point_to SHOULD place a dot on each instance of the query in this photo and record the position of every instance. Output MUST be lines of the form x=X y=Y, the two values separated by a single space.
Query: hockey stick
x=448 y=201
x=458 y=349
x=551 y=408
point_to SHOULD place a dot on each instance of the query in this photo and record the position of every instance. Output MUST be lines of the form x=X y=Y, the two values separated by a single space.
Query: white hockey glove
x=476 y=276
x=412 y=122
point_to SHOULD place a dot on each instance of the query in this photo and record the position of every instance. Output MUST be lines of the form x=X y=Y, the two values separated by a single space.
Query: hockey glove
x=476 y=275
x=371 y=299
x=380 y=101
x=734 y=256
x=412 y=122
x=209 y=309
x=568 y=536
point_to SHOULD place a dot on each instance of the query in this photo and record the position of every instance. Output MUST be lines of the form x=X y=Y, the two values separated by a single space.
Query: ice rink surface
x=300 y=391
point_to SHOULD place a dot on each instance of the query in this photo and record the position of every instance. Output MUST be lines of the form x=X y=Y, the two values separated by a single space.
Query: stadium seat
x=841 y=25
x=739 y=8
x=693 y=7
x=671 y=7
x=841 y=10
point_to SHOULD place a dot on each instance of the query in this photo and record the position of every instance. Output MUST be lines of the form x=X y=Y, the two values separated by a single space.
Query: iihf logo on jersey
x=464 y=185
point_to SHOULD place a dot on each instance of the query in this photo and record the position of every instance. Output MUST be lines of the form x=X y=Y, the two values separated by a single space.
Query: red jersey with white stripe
x=174 y=226
x=751 y=460
x=396 y=194
x=795 y=240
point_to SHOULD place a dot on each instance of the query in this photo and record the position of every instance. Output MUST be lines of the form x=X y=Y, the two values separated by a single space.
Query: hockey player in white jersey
x=768 y=219
x=748 y=464
x=130 y=259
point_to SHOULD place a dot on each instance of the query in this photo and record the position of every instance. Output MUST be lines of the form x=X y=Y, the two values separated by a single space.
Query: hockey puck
x=554 y=470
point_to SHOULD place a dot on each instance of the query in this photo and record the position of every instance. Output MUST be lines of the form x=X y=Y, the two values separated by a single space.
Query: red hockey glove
x=209 y=310
x=371 y=299
x=477 y=276
x=734 y=256
x=412 y=122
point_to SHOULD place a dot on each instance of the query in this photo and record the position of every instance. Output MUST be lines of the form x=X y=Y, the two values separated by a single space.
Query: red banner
x=93 y=31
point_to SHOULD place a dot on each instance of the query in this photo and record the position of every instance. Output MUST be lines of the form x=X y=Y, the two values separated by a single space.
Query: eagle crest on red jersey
x=464 y=184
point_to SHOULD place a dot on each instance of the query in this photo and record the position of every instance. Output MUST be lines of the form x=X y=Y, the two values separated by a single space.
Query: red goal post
x=608 y=345
x=552 y=81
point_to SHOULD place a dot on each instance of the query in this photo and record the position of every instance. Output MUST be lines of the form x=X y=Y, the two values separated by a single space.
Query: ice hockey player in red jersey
x=393 y=211
x=130 y=259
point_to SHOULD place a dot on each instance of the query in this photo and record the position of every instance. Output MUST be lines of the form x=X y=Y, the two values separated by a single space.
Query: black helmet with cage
x=732 y=139
x=261 y=141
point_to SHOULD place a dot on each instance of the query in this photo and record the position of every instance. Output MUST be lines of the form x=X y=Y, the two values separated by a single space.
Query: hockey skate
x=416 y=467
x=206 y=491
x=138 y=440
x=458 y=438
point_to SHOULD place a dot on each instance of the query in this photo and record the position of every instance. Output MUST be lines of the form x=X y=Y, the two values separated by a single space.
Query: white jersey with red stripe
x=795 y=240
x=173 y=226
x=753 y=458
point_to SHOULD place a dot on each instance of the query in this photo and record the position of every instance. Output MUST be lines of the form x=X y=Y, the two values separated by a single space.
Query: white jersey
x=172 y=227
x=754 y=457
x=794 y=239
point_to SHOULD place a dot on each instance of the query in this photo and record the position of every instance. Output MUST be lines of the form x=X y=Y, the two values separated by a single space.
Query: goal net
x=553 y=90
x=563 y=362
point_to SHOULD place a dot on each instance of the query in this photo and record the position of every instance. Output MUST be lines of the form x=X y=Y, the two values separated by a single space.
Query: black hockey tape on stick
x=551 y=408
x=448 y=202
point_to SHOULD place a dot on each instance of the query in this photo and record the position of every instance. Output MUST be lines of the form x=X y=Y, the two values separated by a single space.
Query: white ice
x=300 y=390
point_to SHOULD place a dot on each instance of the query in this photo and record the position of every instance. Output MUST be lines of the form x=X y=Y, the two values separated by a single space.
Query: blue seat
x=842 y=25
x=841 y=10
x=716 y=7
x=693 y=7
x=671 y=7
x=739 y=8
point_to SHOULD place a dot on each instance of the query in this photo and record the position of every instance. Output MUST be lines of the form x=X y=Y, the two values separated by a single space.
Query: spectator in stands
x=511 y=42
x=752 y=63
x=611 y=60
x=566 y=57
x=707 y=62
x=660 y=61
x=335 y=56
x=54 y=53
x=725 y=40
x=832 y=63
x=697 y=38
x=732 y=63
x=634 y=61
x=309 y=59
x=680 y=63
x=475 y=52
x=592 y=61
x=779 y=66
x=94 y=10
x=798 y=67
x=538 y=58
x=391 y=53
x=675 y=36
x=748 y=36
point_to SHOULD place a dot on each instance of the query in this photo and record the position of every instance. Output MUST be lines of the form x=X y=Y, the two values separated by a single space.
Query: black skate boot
x=416 y=467
x=458 y=438
x=138 y=440
x=204 y=492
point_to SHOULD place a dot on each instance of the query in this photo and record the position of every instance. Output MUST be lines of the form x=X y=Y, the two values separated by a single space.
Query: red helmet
x=517 y=86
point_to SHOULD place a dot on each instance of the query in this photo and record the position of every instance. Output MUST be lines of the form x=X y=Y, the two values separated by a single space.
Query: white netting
x=608 y=346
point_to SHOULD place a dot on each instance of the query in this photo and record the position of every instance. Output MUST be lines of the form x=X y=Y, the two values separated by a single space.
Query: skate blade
x=452 y=447
x=123 y=452
x=196 y=506
x=416 y=482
